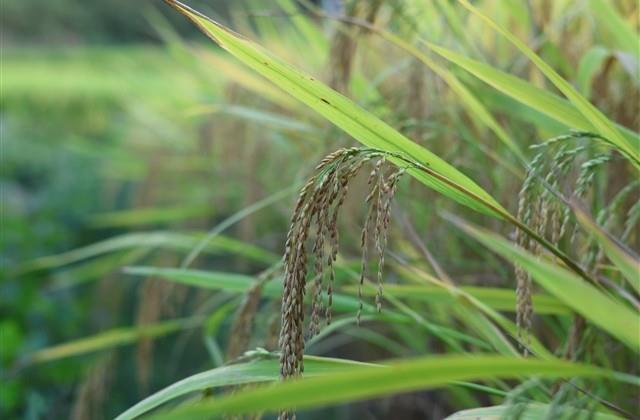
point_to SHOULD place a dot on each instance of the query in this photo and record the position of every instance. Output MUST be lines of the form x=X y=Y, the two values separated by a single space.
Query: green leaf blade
x=344 y=113
x=369 y=382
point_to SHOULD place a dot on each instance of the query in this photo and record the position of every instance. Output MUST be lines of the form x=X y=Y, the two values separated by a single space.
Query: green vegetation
x=409 y=210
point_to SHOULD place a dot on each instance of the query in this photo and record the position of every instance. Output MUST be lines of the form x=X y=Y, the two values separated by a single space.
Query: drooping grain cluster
x=315 y=219
x=381 y=192
x=557 y=173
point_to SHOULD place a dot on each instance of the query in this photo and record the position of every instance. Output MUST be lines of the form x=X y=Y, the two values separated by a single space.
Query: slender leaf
x=343 y=112
x=612 y=316
x=369 y=382
x=496 y=298
x=522 y=91
x=602 y=124
x=265 y=369
x=623 y=258
x=530 y=412
x=625 y=37
x=156 y=239
x=109 y=339
x=232 y=282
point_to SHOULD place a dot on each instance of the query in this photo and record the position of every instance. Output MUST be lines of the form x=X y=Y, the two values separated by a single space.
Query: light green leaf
x=601 y=123
x=254 y=115
x=347 y=115
x=357 y=384
x=109 y=339
x=530 y=412
x=265 y=369
x=155 y=239
x=236 y=283
x=610 y=315
x=625 y=37
x=496 y=298
x=522 y=91
x=622 y=257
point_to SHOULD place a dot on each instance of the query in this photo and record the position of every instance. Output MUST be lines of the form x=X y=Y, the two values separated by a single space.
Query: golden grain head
x=315 y=217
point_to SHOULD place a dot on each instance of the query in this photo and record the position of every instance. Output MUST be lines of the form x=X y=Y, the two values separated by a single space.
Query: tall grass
x=508 y=286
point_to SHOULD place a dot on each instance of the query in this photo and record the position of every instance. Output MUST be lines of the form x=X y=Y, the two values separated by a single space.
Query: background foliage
x=128 y=138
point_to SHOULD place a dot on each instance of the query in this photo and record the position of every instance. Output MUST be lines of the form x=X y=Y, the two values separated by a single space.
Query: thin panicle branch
x=315 y=218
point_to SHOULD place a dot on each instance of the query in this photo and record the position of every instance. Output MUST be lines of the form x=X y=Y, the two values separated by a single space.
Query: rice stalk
x=319 y=203
x=94 y=390
x=554 y=169
x=243 y=323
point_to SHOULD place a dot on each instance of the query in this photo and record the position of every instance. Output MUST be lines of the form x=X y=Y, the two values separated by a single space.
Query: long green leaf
x=530 y=412
x=625 y=37
x=232 y=282
x=602 y=124
x=109 y=339
x=610 y=315
x=522 y=91
x=264 y=369
x=485 y=310
x=344 y=113
x=622 y=257
x=368 y=382
x=468 y=99
x=156 y=239
x=496 y=298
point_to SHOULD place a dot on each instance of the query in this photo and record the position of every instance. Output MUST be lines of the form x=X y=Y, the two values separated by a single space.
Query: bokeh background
x=127 y=136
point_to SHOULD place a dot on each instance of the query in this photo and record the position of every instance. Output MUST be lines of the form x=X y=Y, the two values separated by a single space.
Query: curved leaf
x=610 y=315
x=601 y=123
x=623 y=258
x=524 y=92
x=109 y=339
x=344 y=113
x=265 y=369
x=357 y=384
x=530 y=412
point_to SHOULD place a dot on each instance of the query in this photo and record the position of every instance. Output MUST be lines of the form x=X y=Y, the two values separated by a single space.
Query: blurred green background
x=127 y=136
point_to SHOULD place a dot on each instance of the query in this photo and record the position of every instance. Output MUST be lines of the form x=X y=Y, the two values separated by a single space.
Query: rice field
x=366 y=209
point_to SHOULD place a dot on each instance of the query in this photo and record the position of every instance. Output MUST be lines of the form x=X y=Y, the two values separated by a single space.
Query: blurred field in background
x=127 y=137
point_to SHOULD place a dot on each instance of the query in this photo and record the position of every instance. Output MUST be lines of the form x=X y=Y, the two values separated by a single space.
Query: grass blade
x=530 y=412
x=522 y=91
x=610 y=315
x=369 y=382
x=624 y=36
x=236 y=283
x=496 y=298
x=601 y=123
x=265 y=369
x=622 y=257
x=155 y=239
x=109 y=339
x=341 y=111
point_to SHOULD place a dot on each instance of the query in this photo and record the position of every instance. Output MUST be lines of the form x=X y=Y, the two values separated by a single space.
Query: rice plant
x=417 y=209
